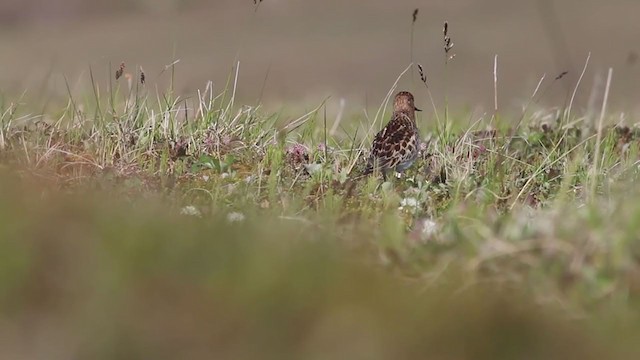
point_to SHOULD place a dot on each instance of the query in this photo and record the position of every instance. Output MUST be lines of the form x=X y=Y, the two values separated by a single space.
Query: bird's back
x=396 y=145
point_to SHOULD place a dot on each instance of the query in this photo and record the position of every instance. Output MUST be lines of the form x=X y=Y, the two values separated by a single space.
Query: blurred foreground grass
x=86 y=276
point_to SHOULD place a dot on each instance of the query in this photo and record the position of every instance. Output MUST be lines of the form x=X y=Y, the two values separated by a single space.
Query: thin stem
x=596 y=155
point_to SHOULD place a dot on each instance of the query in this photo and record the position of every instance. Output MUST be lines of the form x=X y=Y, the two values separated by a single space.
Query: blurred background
x=298 y=52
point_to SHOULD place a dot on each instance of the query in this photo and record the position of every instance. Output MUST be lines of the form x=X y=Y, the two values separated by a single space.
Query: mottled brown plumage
x=397 y=145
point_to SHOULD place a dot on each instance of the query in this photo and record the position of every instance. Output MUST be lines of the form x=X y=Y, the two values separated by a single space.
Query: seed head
x=143 y=78
x=423 y=77
x=448 y=44
x=120 y=71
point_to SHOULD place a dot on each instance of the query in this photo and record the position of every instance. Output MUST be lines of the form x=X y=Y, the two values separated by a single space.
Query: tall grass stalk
x=596 y=167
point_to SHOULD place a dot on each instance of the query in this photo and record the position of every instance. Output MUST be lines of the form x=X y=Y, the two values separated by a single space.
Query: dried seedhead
x=415 y=15
x=143 y=77
x=423 y=77
x=120 y=71
x=448 y=44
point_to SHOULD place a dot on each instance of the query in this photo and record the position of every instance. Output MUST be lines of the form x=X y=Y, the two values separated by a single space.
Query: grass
x=146 y=225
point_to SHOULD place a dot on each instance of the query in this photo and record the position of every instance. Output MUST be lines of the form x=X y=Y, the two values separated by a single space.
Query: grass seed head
x=448 y=44
x=423 y=77
x=143 y=78
x=120 y=70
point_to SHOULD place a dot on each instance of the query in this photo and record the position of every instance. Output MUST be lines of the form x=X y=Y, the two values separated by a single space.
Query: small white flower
x=409 y=202
x=190 y=210
x=425 y=230
x=429 y=228
x=235 y=217
x=205 y=177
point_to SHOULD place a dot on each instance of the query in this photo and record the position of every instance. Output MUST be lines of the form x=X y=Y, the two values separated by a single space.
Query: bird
x=397 y=145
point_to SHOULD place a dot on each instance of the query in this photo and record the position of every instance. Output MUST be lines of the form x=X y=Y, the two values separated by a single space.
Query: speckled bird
x=397 y=145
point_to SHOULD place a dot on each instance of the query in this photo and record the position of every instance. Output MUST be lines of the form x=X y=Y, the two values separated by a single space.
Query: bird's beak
x=416 y=109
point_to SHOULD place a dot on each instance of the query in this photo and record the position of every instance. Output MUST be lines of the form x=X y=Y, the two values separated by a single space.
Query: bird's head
x=404 y=102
